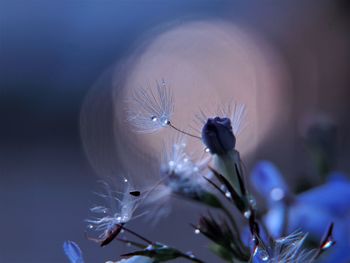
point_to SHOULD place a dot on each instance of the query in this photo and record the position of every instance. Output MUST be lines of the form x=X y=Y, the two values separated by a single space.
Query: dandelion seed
x=180 y=169
x=180 y=174
x=290 y=249
x=135 y=193
x=119 y=210
x=151 y=109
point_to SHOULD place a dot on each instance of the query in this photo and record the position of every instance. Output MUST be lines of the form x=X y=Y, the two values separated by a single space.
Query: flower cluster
x=218 y=182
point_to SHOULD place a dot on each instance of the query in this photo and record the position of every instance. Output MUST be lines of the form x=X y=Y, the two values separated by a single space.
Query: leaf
x=220 y=233
x=237 y=199
x=221 y=252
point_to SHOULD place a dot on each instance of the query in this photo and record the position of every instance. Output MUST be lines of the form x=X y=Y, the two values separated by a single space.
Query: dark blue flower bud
x=217 y=135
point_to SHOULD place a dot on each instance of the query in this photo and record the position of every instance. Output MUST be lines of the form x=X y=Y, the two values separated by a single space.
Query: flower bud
x=217 y=135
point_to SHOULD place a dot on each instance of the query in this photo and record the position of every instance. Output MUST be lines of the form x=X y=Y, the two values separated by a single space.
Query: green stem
x=234 y=226
x=184 y=132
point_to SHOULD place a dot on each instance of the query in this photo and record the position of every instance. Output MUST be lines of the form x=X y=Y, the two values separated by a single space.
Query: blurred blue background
x=51 y=54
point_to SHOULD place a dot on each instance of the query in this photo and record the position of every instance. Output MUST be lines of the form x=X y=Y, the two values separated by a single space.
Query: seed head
x=151 y=109
x=119 y=209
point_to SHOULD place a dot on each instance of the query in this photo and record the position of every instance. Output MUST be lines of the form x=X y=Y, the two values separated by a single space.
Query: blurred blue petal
x=333 y=196
x=73 y=252
x=274 y=220
x=313 y=220
x=268 y=181
x=336 y=176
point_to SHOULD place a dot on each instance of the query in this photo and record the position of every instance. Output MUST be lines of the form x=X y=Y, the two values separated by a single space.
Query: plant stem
x=184 y=132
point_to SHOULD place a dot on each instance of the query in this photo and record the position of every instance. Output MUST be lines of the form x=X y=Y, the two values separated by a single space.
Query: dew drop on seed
x=207 y=150
x=228 y=194
x=197 y=231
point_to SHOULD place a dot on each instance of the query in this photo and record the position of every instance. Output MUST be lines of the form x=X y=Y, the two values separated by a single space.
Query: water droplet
x=119 y=218
x=328 y=244
x=164 y=121
x=190 y=254
x=197 y=231
x=252 y=201
x=247 y=214
x=154 y=118
x=207 y=150
x=261 y=253
x=125 y=180
x=228 y=194
x=90 y=226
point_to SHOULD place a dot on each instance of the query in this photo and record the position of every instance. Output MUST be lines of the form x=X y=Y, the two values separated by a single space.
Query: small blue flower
x=268 y=181
x=333 y=196
x=73 y=252
x=314 y=221
x=311 y=211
